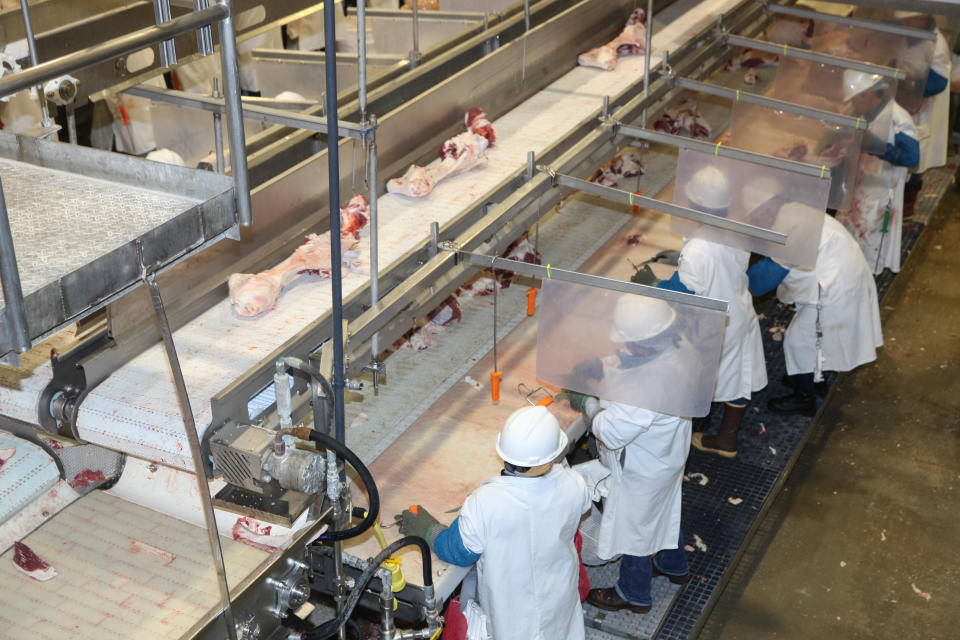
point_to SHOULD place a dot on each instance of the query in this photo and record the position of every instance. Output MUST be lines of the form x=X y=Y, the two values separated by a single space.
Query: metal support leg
x=387 y=629
x=193 y=438
x=34 y=61
x=362 y=58
x=526 y=15
x=204 y=34
x=71 y=124
x=646 y=62
x=231 y=94
x=10 y=282
x=168 y=49
x=374 y=247
x=218 y=128
x=415 y=53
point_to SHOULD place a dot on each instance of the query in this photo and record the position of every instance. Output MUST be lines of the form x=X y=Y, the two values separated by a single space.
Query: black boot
x=798 y=402
x=724 y=442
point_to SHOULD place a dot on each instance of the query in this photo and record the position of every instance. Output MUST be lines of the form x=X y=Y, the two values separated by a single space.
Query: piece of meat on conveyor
x=29 y=563
x=687 y=121
x=631 y=41
x=458 y=154
x=253 y=294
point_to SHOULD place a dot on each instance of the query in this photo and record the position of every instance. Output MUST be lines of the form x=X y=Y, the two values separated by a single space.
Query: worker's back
x=523 y=527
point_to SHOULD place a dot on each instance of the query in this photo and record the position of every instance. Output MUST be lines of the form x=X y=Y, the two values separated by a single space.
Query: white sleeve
x=690 y=272
x=471 y=524
x=619 y=425
x=903 y=122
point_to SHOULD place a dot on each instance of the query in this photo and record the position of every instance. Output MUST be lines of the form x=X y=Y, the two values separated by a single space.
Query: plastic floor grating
x=724 y=511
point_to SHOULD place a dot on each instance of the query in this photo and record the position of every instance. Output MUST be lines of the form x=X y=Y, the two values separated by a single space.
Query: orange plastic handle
x=495 y=385
x=531 y=301
x=636 y=207
x=414 y=509
x=546 y=402
x=123 y=112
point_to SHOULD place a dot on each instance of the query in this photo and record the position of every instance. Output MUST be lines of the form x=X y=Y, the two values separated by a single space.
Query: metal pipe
x=622 y=286
x=387 y=628
x=71 y=125
x=168 y=51
x=218 y=128
x=803 y=54
x=34 y=62
x=754 y=98
x=374 y=233
x=415 y=53
x=231 y=97
x=204 y=34
x=108 y=50
x=526 y=15
x=618 y=195
x=646 y=59
x=10 y=282
x=724 y=151
x=895 y=29
x=333 y=180
x=186 y=412
x=362 y=58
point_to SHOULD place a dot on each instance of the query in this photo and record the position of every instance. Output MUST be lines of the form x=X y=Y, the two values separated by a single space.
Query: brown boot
x=724 y=442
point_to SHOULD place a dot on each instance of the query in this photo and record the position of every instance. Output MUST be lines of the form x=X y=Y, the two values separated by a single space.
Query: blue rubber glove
x=936 y=83
x=904 y=152
x=765 y=276
x=674 y=284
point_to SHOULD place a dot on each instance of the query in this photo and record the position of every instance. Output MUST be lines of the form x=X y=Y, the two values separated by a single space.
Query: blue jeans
x=636 y=572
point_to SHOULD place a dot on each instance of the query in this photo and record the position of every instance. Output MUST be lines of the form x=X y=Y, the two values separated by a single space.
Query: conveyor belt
x=135 y=409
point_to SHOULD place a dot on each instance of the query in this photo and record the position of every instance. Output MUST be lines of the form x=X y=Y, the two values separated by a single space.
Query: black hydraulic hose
x=329 y=628
x=329 y=442
x=305 y=367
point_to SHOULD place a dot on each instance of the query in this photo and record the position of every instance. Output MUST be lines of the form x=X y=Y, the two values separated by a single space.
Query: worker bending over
x=718 y=271
x=837 y=322
x=875 y=217
x=519 y=529
x=645 y=452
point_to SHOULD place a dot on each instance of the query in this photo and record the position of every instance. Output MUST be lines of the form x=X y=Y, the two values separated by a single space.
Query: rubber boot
x=703 y=424
x=724 y=442
x=799 y=402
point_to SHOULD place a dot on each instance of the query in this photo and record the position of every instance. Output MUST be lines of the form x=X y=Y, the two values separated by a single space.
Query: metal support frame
x=10 y=282
x=168 y=48
x=752 y=98
x=618 y=195
x=415 y=52
x=723 y=151
x=251 y=110
x=553 y=273
x=895 y=29
x=804 y=54
x=646 y=60
x=34 y=61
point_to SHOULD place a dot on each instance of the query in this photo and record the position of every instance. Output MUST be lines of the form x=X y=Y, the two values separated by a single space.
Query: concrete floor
x=872 y=508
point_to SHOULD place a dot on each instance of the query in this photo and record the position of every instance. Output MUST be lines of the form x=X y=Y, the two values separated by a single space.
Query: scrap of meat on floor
x=458 y=154
x=256 y=534
x=630 y=41
x=687 y=121
x=628 y=164
x=253 y=294
x=6 y=454
x=29 y=563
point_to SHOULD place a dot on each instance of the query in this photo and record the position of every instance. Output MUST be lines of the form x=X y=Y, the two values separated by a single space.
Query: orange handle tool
x=531 y=301
x=123 y=112
x=546 y=402
x=495 y=385
x=414 y=509
x=636 y=207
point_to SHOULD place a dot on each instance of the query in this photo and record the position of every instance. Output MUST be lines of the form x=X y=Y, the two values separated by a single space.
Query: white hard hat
x=530 y=437
x=636 y=319
x=856 y=82
x=166 y=155
x=290 y=96
x=758 y=192
x=708 y=188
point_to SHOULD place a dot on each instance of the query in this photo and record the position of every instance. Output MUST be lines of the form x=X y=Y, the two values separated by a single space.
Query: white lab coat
x=849 y=314
x=932 y=120
x=879 y=188
x=718 y=271
x=641 y=514
x=528 y=572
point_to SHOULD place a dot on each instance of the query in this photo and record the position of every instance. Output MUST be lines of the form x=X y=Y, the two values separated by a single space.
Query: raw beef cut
x=252 y=294
x=6 y=454
x=251 y=532
x=458 y=154
x=751 y=77
x=625 y=165
x=693 y=123
x=751 y=59
x=667 y=124
x=630 y=41
x=85 y=478
x=31 y=564
x=142 y=547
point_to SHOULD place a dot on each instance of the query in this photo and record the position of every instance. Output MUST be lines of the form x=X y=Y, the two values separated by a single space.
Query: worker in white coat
x=836 y=326
x=519 y=529
x=645 y=453
x=718 y=271
x=875 y=217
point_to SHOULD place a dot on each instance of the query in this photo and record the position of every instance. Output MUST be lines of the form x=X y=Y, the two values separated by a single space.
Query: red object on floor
x=455 y=623
x=584 y=585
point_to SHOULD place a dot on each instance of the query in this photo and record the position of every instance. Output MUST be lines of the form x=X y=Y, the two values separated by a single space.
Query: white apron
x=932 y=120
x=717 y=271
x=528 y=570
x=641 y=513
x=849 y=313
x=877 y=203
x=132 y=121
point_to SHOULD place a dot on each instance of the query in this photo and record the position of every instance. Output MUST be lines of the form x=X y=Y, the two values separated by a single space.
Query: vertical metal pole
x=231 y=95
x=333 y=179
x=415 y=53
x=71 y=125
x=646 y=61
x=362 y=57
x=526 y=15
x=374 y=235
x=183 y=399
x=204 y=34
x=10 y=282
x=218 y=128
x=34 y=61
x=168 y=50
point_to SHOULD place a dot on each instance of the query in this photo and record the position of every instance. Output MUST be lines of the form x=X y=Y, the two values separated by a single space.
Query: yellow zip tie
x=784 y=51
x=823 y=169
x=631 y=198
x=716 y=150
x=738 y=95
x=549 y=277
x=858 y=123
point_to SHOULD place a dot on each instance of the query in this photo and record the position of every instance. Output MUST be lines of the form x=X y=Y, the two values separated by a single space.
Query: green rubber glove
x=644 y=275
x=576 y=399
x=420 y=524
